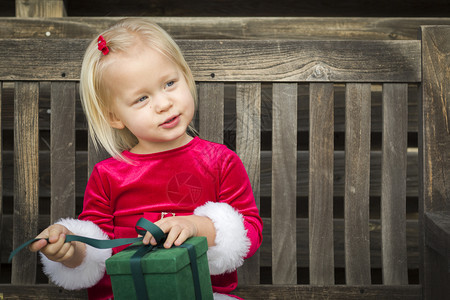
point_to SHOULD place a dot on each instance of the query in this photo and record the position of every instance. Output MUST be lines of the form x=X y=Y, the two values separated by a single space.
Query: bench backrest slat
x=393 y=187
x=357 y=183
x=62 y=150
x=321 y=160
x=211 y=111
x=284 y=183
x=248 y=147
x=26 y=174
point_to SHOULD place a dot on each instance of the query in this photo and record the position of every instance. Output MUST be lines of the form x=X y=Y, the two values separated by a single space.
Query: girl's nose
x=162 y=103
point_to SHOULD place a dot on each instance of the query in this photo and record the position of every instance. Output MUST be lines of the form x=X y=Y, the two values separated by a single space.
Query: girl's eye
x=142 y=99
x=170 y=83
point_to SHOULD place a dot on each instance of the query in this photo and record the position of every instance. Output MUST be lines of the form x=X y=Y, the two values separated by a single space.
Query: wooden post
x=434 y=160
x=40 y=9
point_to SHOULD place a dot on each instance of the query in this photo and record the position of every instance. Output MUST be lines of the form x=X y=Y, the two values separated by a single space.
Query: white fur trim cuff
x=91 y=269
x=231 y=243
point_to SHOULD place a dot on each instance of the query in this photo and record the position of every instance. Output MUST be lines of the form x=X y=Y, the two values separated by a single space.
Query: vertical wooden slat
x=2 y=237
x=434 y=151
x=211 y=111
x=95 y=155
x=321 y=146
x=393 y=183
x=62 y=156
x=26 y=178
x=357 y=184
x=248 y=143
x=284 y=183
x=40 y=8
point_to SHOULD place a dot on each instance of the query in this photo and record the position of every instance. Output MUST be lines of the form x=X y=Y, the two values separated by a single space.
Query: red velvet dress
x=175 y=181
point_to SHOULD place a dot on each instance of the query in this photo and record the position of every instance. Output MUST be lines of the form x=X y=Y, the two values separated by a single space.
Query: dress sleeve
x=94 y=222
x=97 y=204
x=235 y=217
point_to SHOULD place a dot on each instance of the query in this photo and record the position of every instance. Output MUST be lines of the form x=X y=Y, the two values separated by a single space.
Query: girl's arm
x=87 y=266
x=237 y=224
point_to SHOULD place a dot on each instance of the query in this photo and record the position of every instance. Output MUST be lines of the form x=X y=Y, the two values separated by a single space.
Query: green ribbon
x=135 y=260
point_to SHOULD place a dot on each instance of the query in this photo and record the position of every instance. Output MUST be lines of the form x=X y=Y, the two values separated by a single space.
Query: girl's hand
x=179 y=229
x=70 y=254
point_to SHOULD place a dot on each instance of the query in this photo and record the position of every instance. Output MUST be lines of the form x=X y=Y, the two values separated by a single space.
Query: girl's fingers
x=148 y=238
x=53 y=248
x=174 y=233
x=62 y=252
x=184 y=235
x=38 y=245
x=65 y=253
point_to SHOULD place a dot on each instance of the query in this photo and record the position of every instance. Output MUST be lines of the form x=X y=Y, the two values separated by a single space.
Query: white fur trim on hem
x=218 y=296
x=91 y=269
x=231 y=243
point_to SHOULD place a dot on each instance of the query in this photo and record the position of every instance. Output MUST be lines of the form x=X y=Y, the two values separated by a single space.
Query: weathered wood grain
x=437 y=232
x=26 y=178
x=41 y=291
x=211 y=100
x=95 y=154
x=321 y=145
x=230 y=113
x=357 y=184
x=248 y=142
x=229 y=27
x=2 y=236
x=235 y=60
x=434 y=141
x=62 y=151
x=39 y=8
x=393 y=184
x=435 y=130
x=341 y=292
x=284 y=156
x=249 y=292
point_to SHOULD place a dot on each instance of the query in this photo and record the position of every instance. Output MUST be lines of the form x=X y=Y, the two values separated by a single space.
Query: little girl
x=139 y=97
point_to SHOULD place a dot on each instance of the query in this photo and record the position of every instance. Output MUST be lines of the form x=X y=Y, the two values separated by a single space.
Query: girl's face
x=150 y=97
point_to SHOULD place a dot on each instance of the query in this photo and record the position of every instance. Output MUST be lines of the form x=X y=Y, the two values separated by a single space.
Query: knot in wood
x=319 y=71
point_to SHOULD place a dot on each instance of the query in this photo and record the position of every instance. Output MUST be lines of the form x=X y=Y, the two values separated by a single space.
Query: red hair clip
x=102 y=45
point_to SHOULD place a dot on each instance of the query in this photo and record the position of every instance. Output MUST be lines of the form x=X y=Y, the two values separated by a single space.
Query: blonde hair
x=95 y=98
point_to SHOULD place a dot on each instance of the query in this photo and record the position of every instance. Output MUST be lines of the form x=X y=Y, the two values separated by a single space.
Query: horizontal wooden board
x=229 y=27
x=40 y=291
x=235 y=60
x=412 y=234
x=257 y=292
x=266 y=183
x=230 y=108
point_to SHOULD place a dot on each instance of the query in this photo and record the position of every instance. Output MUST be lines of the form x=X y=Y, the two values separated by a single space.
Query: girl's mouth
x=171 y=122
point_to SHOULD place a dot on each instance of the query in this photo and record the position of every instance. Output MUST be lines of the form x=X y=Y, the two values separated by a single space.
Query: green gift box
x=167 y=272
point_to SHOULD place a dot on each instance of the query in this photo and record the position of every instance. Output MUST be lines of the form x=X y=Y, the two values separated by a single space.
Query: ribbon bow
x=102 y=45
x=135 y=260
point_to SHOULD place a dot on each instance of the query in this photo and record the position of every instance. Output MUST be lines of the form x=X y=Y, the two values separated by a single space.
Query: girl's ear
x=114 y=121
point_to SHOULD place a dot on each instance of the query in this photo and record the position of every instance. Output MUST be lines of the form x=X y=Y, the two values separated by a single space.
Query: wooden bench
x=322 y=127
